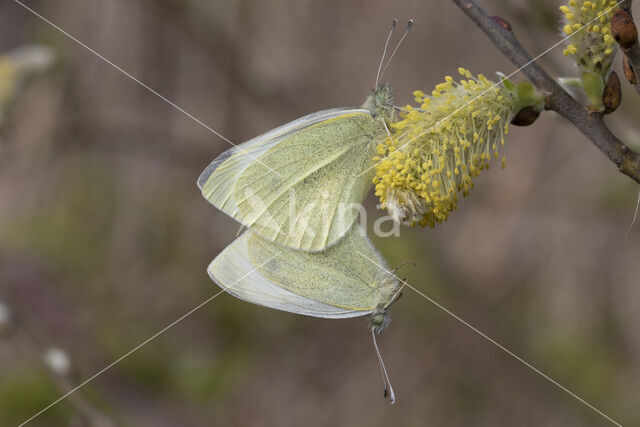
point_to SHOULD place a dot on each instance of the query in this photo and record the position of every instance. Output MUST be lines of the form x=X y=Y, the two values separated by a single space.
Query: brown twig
x=590 y=124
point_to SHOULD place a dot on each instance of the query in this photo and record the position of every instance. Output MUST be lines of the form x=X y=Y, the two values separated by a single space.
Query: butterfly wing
x=335 y=283
x=297 y=185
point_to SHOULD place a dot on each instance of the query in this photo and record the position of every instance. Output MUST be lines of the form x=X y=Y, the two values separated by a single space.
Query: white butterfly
x=300 y=185
x=347 y=280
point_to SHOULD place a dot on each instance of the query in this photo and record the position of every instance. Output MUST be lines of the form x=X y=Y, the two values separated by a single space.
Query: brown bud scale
x=612 y=94
x=623 y=29
x=502 y=22
x=525 y=117
x=628 y=70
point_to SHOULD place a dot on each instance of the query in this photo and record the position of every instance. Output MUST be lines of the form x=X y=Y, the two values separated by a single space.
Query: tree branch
x=590 y=124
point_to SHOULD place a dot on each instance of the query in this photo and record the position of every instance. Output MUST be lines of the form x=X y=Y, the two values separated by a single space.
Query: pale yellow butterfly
x=347 y=280
x=301 y=184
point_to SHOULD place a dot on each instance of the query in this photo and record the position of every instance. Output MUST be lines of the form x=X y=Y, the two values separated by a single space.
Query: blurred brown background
x=104 y=237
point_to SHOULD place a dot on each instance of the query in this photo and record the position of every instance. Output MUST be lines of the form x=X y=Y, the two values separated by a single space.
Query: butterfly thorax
x=388 y=293
x=380 y=103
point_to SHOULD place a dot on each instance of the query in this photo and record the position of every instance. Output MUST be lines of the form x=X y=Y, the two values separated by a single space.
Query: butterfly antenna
x=409 y=25
x=388 y=390
x=384 y=53
x=402 y=264
x=386 y=128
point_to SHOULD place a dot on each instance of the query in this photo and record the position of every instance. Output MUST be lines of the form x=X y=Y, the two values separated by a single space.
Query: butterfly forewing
x=299 y=185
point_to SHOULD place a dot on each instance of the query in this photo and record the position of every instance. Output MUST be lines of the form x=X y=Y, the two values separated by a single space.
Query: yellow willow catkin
x=437 y=149
x=589 y=25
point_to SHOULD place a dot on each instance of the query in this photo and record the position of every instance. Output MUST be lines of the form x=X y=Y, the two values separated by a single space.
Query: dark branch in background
x=624 y=31
x=589 y=123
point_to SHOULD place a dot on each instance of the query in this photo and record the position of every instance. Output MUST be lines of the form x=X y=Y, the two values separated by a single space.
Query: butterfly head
x=380 y=102
x=379 y=320
x=390 y=291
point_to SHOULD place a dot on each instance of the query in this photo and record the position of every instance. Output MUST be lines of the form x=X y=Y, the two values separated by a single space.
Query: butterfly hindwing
x=336 y=283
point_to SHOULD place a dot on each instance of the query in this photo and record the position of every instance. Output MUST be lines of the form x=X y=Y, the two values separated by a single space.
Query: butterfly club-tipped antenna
x=388 y=389
x=402 y=264
x=406 y=31
x=384 y=52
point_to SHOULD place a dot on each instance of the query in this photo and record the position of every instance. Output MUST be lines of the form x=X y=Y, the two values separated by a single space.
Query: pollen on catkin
x=591 y=44
x=436 y=149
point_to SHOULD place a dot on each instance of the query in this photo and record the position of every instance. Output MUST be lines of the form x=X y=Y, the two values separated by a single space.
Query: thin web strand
x=497 y=344
x=147 y=87
x=142 y=344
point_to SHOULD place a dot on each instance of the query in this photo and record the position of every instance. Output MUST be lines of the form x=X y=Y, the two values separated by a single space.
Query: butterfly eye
x=377 y=320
